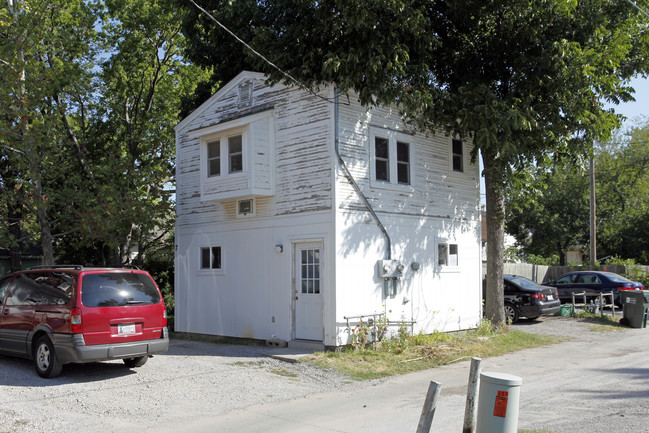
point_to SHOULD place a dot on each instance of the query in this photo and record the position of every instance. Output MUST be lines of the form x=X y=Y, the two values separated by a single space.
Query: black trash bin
x=635 y=305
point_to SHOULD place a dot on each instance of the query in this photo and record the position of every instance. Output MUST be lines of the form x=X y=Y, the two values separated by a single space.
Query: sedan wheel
x=511 y=313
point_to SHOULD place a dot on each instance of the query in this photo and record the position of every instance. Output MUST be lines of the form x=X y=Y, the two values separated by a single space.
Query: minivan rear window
x=118 y=290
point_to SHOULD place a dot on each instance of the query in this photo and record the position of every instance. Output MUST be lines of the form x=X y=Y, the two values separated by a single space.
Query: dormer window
x=225 y=155
x=235 y=153
x=236 y=157
x=214 y=158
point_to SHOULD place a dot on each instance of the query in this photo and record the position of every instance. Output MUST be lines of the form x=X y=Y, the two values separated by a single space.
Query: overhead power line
x=261 y=56
x=638 y=7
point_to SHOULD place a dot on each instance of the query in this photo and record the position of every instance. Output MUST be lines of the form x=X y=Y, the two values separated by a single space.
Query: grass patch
x=599 y=323
x=419 y=352
x=284 y=372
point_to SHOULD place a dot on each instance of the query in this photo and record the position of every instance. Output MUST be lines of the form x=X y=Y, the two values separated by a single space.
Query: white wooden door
x=308 y=291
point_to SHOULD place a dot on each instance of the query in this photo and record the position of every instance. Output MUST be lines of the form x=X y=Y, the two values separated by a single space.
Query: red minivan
x=61 y=314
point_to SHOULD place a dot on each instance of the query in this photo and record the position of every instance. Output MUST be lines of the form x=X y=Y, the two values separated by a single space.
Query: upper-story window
x=391 y=154
x=458 y=155
x=235 y=153
x=403 y=163
x=237 y=157
x=214 y=158
x=225 y=155
x=382 y=158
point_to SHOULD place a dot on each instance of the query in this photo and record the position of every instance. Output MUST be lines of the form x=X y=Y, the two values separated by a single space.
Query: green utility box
x=635 y=305
x=566 y=310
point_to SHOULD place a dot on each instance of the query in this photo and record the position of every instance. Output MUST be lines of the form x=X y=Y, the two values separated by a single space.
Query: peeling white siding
x=301 y=196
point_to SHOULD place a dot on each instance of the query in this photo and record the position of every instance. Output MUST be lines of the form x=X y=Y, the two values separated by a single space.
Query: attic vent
x=245 y=94
x=246 y=207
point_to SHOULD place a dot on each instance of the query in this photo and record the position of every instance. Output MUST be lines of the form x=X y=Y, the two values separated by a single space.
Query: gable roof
x=226 y=88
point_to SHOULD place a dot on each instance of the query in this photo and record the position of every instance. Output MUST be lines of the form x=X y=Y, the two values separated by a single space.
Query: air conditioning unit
x=246 y=207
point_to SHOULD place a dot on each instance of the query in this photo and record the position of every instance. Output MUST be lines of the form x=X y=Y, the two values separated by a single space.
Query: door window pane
x=310 y=271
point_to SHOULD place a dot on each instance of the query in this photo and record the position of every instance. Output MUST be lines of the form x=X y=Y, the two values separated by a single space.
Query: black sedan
x=592 y=283
x=525 y=298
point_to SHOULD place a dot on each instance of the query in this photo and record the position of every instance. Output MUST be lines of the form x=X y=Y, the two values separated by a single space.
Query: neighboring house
x=29 y=256
x=575 y=254
x=509 y=242
x=298 y=213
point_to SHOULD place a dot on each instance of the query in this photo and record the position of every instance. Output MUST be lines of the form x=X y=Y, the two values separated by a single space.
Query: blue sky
x=639 y=108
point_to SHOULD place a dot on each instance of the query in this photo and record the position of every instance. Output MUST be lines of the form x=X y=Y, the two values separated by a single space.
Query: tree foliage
x=551 y=212
x=89 y=94
x=45 y=70
x=523 y=79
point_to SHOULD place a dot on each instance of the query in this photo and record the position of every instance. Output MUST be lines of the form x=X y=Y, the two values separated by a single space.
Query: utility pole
x=593 y=224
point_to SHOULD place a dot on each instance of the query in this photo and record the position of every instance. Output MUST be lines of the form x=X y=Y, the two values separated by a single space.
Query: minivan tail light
x=76 y=327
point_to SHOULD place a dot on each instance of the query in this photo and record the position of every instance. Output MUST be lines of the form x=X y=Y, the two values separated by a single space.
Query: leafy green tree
x=550 y=212
x=522 y=79
x=44 y=52
x=143 y=82
x=89 y=94
x=622 y=173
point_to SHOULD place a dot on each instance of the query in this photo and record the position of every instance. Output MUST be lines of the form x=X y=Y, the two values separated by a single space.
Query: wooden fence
x=541 y=273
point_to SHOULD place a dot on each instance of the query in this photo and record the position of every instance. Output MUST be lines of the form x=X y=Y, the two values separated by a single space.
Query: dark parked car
x=525 y=298
x=61 y=314
x=593 y=283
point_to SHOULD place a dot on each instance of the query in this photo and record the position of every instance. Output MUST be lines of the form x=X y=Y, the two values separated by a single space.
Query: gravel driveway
x=191 y=380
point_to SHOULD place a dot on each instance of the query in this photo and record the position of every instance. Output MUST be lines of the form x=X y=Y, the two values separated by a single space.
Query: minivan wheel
x=136 y=362
x=45 y=360
x=511 y=314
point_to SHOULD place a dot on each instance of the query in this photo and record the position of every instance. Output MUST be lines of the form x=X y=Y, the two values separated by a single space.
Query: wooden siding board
x=302 y=178
x=435 y=189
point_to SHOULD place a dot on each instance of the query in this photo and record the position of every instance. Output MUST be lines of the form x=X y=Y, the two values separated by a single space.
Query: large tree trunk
x=494 y=307
x=15 y=220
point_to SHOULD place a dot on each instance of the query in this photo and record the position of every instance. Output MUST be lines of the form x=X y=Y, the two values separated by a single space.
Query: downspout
x=351 y=180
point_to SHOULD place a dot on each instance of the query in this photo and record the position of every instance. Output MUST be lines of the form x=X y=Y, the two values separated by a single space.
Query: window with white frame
x=211 y=258
x=447 y=255
x=391 y=154
x=235 y=153
x=225 y=153
x=458 y=155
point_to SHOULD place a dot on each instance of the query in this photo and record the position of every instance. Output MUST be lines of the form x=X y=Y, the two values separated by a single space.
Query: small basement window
x=211 y=258
x=447 y=255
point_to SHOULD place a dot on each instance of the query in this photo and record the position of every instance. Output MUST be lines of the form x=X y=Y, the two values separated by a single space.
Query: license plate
x=126 y=329
x=550 y=298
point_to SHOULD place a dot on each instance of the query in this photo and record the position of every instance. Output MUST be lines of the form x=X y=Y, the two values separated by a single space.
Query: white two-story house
x=300 y=212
